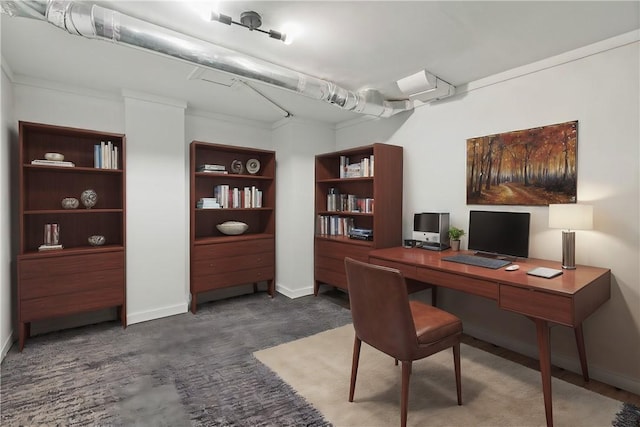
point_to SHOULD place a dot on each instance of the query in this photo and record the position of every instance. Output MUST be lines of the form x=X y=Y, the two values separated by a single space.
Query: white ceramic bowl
x=96 y=240
x=54 y=156
x=232 y=228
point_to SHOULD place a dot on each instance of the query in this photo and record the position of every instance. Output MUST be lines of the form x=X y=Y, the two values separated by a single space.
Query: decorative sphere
x=89 y=198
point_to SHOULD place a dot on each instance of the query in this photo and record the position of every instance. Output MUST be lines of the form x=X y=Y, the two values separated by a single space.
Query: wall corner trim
x=7 y=69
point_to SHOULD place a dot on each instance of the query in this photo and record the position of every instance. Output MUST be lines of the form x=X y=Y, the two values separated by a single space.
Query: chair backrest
x=380 y=308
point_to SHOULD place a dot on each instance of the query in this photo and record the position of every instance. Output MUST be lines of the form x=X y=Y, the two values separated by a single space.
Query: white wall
x=599 y=87
x=8 y=143
x=157 y=220
x=297 y=142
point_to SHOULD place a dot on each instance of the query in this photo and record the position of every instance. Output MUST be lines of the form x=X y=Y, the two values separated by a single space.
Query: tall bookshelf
x=219 y=260
x=367 y=200
x=73 y=276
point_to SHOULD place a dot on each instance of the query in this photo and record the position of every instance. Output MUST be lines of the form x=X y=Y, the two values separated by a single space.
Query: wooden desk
x=566 y=300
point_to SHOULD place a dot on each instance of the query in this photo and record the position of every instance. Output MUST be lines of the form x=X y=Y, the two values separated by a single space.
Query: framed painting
x=533 y=167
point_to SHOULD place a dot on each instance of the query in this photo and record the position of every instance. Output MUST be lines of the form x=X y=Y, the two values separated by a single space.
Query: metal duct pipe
x=93 y=21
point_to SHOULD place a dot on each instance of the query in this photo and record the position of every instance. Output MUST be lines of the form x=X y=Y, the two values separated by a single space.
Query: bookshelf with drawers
x=366 y=196
x=59 y=272
x=219 y=260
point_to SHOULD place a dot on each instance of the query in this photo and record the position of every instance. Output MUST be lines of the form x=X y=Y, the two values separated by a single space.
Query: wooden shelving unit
x=384 y=187
x=79 y=277
x=218 y=260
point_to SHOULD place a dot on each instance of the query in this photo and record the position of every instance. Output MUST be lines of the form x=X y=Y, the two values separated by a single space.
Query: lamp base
x=569 y=250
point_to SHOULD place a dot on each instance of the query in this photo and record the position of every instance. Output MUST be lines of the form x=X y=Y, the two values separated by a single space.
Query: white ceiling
x=355 y=44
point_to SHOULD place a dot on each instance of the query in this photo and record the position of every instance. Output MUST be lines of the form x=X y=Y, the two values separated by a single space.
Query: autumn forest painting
x=526 y=167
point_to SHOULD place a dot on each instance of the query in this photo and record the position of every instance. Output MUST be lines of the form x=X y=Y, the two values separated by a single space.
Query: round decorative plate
x=253 y=166
x=237 y=167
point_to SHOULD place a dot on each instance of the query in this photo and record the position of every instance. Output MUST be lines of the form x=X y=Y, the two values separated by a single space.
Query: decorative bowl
x=70 y=203
x=96 y=240
x=232 y=228
x=89 y=198
x=54 y=156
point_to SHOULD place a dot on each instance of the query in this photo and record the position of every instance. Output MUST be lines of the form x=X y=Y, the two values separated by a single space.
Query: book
x=210 y=167
x=97 y=156
x=213 y=171
x=545 y=272
x=52 y=163
x=49 y=247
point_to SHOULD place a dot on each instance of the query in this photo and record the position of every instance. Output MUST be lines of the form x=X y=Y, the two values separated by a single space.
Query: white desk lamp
x=571 y=217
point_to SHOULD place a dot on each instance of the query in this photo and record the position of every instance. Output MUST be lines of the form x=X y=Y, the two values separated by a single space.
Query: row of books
x=105 y=155
x=349 y=203
x=363 y=168
x=234 y=197
x=334 y=225
x=212 y=168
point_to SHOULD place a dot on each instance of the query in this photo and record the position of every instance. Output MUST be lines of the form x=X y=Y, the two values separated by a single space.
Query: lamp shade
x=571 y=216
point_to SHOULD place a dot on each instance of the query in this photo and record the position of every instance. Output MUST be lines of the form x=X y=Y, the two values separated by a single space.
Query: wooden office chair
x=384 y=318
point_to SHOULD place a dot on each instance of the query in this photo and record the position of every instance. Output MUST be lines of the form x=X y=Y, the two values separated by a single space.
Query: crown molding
x=156 y=99
x=194 y=112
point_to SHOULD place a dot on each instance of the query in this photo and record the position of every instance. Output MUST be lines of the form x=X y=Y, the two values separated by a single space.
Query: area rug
x=495 y=391
x=179 y=371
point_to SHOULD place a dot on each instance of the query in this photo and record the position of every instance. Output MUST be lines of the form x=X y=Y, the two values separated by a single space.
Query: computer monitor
x=502 y=234
x=431 y=227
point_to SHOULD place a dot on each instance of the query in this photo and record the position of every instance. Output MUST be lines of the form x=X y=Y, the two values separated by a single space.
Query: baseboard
x=144 y=316
x=570 y=364
x=6 y=346
x=294 y=293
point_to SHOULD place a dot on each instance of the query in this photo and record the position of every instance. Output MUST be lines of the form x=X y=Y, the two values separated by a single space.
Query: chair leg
x=456 y=362
x=404 y=399
x=357 y=343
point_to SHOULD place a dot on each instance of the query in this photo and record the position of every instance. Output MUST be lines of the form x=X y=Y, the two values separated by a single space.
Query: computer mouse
x=512 y=267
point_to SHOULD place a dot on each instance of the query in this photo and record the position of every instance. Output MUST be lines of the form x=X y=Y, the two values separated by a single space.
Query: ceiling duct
x=94 y=21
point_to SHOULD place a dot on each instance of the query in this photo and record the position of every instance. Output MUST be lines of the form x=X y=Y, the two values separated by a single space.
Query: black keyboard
x=479 y=261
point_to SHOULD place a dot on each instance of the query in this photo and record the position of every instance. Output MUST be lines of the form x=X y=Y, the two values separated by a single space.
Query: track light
x=251 y=20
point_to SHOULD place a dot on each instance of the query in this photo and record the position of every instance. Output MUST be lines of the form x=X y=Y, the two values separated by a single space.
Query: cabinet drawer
x=340 y=250
x=227 y=264
x=483 y=288
x=207 y=282
x=72 y=274
x=330 y=277
x=408 y=271
x=231 y=249
x=555 y=308
x=78 y=302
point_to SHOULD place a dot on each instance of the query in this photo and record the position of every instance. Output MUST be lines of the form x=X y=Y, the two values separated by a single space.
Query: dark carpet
x=184 y=370
x=629 y=416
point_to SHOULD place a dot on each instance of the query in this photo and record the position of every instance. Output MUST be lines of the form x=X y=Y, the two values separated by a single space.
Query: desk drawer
x=409 y=271
x=483 y=288
x=555 y=308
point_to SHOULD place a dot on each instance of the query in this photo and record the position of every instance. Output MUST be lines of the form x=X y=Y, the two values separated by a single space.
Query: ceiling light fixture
x=251 y=20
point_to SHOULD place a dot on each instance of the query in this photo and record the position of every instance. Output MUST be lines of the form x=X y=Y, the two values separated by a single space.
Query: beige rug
x=495 y=391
